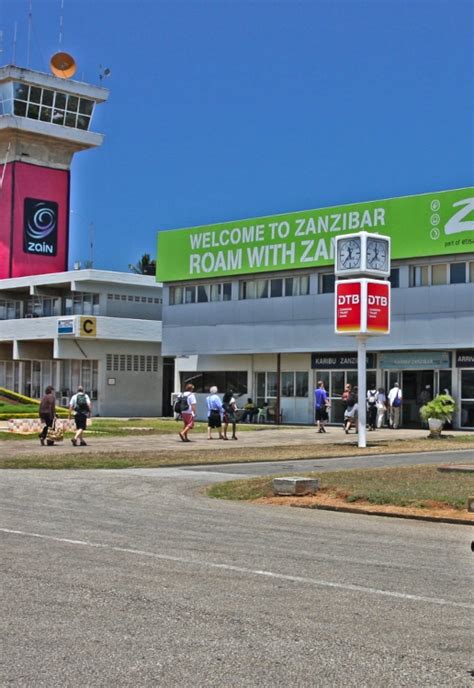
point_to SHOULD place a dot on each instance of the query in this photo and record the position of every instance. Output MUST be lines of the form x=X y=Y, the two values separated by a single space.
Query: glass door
x=417 y=387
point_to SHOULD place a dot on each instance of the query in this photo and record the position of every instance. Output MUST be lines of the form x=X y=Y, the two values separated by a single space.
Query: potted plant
x=437 y=412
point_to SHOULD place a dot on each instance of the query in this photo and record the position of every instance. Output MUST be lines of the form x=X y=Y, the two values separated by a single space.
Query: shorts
x=214 y=420
x=321 y=413
x=351 y=412
x=81 y=421
x=188 y=419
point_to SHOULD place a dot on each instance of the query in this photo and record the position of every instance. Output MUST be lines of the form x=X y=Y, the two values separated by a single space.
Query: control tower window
x=46 y=105
x=21 y=91
x=5 y=99
x=35 y=94
x=72 y=103
x=48 y=97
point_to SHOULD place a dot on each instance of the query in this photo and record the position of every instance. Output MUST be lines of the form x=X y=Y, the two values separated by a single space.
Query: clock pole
x=362 y=306
x=362 y=385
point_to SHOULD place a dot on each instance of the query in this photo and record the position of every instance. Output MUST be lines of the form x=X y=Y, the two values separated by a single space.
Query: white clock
x=363 y=254
x=349 y=253
x=377 y=254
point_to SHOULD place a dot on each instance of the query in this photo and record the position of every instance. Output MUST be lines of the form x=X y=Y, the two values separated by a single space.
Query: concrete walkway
x=268 y=437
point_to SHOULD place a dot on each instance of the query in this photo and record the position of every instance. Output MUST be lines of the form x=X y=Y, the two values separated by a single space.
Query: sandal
x=183 y=439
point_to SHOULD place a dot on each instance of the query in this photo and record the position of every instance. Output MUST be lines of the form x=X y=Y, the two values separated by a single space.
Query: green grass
x=418 y=486
x=23 y=409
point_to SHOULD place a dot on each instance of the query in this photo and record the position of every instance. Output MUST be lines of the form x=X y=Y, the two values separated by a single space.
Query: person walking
x=394 y=404
x=80 y=405
x=372 y=407
x=321 y=402
x=381 y=407
x=188 y=414
x=229 y=406
x=47 y=412
x=350 y=414
x=214 y=413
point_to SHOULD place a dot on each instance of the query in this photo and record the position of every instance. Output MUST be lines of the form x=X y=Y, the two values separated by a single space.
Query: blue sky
x=222 y=110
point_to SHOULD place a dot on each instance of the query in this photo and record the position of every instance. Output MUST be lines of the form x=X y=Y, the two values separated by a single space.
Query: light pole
x=90 y=262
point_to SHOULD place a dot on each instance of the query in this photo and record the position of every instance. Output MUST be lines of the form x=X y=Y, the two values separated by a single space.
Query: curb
x=367 y=512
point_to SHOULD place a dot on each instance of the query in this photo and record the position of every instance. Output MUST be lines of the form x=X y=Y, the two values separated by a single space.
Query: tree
x=145 y=266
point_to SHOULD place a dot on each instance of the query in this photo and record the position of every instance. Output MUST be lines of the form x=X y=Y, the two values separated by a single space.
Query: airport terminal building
x=249 y=305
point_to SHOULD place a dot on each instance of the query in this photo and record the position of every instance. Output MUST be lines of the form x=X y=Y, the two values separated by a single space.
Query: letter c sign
x=88 y=327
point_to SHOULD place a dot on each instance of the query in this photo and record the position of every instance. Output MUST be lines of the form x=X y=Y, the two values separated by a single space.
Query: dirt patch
x=433 y=510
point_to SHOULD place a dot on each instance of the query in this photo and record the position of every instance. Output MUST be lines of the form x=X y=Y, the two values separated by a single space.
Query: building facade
x=96 y=328
x=249 y=305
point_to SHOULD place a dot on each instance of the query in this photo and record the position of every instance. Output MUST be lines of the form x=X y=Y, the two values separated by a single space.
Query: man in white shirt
x=80 y=404
x=189 y=414
x=394 y=404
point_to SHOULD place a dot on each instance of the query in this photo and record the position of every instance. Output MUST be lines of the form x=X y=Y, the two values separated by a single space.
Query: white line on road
x=239 y=569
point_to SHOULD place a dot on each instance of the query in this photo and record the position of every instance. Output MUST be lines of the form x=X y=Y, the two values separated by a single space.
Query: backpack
x=81 y=403
x=397 y=401
x=181 y=404
x=371 y=399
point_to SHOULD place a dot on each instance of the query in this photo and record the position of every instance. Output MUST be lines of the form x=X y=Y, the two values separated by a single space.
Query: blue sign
x=416 y=360
x=66 y=326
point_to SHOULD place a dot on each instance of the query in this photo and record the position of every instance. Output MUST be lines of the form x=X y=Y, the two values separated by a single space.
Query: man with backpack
x=185 y=406
x=394 y=404
x=80 y=405
x=372 y=396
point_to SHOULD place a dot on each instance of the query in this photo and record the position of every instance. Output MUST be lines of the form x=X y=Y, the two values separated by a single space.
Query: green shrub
x=441 y=407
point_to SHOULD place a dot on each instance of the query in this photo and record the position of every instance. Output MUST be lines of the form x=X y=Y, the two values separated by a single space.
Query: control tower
x=44 y=120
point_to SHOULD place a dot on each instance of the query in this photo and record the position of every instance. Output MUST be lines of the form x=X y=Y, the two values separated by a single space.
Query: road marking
x=240 y=569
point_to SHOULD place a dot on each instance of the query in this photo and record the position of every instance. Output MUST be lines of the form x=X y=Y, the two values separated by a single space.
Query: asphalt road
x=134 y=578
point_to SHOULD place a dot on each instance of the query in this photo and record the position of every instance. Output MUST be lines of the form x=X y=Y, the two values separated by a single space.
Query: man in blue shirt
x=321 y=403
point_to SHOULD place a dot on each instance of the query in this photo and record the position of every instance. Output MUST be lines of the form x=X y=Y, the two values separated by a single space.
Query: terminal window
x=441 y=273
x=234 y=381
x=274 y=288
x=201 y=293
x=54 y=107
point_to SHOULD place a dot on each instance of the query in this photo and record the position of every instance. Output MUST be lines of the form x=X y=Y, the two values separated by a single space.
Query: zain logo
x=40 y=227
x=458 y=223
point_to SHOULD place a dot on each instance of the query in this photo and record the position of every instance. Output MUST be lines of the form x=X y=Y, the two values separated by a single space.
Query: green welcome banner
x=432 y=224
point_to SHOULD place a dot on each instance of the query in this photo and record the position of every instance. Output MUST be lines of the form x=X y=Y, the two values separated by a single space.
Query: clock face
x=377 y=254
x=349 y=254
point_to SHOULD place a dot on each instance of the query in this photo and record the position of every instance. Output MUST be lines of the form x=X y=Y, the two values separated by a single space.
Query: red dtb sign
x=348 y=306
x=378 y=307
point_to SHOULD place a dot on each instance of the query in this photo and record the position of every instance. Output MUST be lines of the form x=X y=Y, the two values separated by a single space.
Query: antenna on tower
x=30 y=21
x=61 y=24
x=15 y=29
